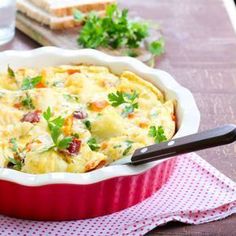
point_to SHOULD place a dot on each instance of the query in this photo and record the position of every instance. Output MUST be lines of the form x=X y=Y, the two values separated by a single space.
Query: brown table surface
x=201 y=55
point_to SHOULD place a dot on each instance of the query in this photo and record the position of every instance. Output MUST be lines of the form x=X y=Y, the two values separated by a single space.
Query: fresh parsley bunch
x=113 y=30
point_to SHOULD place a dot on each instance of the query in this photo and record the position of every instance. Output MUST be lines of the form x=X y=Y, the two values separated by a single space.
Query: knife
x=207 y=139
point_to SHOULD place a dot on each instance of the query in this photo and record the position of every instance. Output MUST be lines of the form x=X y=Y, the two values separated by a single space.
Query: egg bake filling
x=78 y=118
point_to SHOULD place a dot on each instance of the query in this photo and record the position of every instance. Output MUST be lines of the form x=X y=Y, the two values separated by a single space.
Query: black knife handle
x=215 y=137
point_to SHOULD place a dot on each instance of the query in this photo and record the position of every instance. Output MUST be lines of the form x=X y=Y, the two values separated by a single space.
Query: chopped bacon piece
x=74 y=147
x=32 y=117
x=80 y=115
x=98 y=105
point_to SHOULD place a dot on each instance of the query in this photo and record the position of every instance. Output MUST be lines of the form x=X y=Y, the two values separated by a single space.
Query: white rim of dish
x=189 y=125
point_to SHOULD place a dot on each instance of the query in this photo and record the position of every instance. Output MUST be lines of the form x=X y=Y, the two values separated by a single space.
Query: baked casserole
x=77 y=118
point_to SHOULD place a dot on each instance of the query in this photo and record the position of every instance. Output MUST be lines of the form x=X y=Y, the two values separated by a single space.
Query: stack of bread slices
x=58 y=14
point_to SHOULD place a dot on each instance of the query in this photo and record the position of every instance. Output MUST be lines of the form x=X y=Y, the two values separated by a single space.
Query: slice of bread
x=66 y=7
x=43 y=17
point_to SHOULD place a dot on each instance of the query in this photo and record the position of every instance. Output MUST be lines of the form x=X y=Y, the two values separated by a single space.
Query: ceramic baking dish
x=67 y=196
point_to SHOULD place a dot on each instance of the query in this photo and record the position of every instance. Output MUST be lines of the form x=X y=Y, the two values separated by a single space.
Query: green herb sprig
x=54 y=126
x=118 y=98
x=71 y=98
x=27 y=102
x=157 y=48
x=92 y=143
x=87 y=124
x=115 y=31
x=17 y=161
x=16 y=164
x=128 y=147
x=30 y=83
x=157 y=133
x=11 y=72
x=14 y=147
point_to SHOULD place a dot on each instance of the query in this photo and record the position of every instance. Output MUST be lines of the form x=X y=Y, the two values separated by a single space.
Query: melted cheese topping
x=105 y=132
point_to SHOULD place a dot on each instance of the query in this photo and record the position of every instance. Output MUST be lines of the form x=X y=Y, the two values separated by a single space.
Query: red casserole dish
x=75 y=201
x=68 y=196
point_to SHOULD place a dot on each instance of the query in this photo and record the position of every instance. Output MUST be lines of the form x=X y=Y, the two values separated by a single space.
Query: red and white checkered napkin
x=196 y=193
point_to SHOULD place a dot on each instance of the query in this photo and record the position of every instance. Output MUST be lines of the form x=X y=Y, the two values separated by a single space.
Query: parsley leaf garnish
x=10 y=72
x=118 y=98
x=47 y=114
x=17 y=161
x=72 y=98
x=129 y=109
x=94 y=146
x=14 y=147
x=157 y=133
x=87 y=123
x=157 y=47
x=129 y=146
x=64 y=143
x=75 y=135
x=15 y=164
x=30 y=83
x=131 y=96
x=27 y=102
x=54 y=126
x=117 y=146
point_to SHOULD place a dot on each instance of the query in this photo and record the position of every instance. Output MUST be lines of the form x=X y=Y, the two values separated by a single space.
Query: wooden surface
x=201 y=55
x=44 y=36
x=68 y=38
